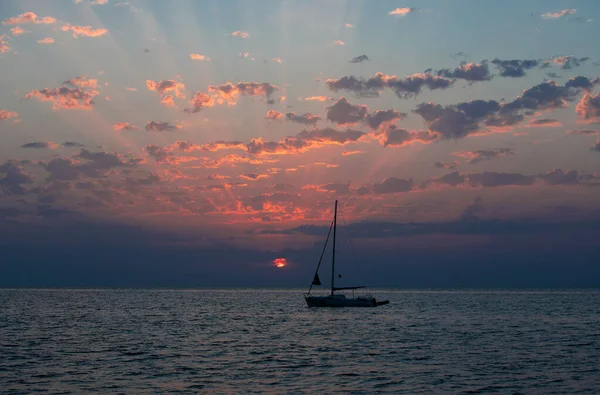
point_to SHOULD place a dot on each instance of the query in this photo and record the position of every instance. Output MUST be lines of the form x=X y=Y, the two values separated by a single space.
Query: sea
x=244 y=341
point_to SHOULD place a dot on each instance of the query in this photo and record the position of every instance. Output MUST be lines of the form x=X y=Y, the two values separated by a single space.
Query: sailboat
x=336 y=299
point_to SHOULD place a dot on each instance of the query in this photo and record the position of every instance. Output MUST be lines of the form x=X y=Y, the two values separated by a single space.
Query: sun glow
x=279 y=262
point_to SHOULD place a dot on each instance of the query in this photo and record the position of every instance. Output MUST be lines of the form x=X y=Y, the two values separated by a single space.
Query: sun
x=279 y=262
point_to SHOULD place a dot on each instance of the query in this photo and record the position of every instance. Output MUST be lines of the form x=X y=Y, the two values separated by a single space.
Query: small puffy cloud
x=338 y=42
x=515 y=67
x=468 y=72
x=197 y=56
x=558 y=14
x=377 y=118
x=253 y=176
x=343 y=112
x=5 y=114
x=153 y=126
x=82 y=82
x=348 y=25
x=4 y=47
x=83 y=31
x=393 y=185
x=40 y=144
x=65 y=98
x=46 y=40
x=199 y=101
x=244 y=55
x=306 y=119
x=589 y=108
x=568 y=62
x=274 y=115
x=123 y=126
x=166 y=86
x=359 y=59
x=228 y=92
x=167 y=101
x=28 y=17
x=403 y=11
x=240 y=34
x=17 y=31
x=481 y=155
x=447 y=165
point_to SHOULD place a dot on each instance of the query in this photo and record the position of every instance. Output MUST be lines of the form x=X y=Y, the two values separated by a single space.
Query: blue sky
x=238 y=123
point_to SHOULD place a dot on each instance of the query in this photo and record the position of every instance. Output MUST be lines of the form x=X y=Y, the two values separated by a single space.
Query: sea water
x=268 y=341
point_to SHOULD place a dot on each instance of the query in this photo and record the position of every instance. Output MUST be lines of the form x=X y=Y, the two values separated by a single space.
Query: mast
x=333 y=256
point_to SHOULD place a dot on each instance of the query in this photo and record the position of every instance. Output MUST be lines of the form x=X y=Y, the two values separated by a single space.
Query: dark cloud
x=344 y=113
x=72 y=144
x=544 y=121
x=584 y=132
x=482 y=155
x=403 y=87
x=559 y=177
x=485 y=179
x=376 y=118
x=65 y=98
x=306 y=119
x=86 y=164
x=468 y=72
x=393 y=185
x=447 y=165
x=395 y=137
x=568 y=62
x=159 y=154
x=359 y=59
x=514 y=68
x=39 y=144
x=159 y=127
x=582 y=82
x=14 y=178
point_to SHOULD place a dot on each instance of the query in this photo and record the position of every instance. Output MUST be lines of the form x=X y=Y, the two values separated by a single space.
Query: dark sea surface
x=268 y=341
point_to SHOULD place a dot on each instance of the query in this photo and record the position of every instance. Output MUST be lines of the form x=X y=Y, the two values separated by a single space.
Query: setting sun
x=279 y=262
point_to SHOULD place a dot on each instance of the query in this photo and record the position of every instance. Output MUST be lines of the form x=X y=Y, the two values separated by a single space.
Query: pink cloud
x=558 y=14
x=47 y=40
x=240 y=34
x=166 y=86
x=66 y=98
x=5 y=114
x=85 y=31
x=3 y=44
x=401 y=11
x=274 y=115
x=123 y=126
x=167 y=101
x=28 y=17
x=339 y=42
x=197 y=56
x=17 y=31
x=589 y=108
x=82 y=82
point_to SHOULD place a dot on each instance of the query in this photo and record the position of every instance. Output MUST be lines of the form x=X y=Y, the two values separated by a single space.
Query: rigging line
x=349 y=241
x=322 y=253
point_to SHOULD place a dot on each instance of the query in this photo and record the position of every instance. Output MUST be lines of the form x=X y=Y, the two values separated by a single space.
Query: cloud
x=153 y=126
x=66 y=98
x=584 y=132
x=398 y=12
x=212 y=147
x=14 y=178
x=403 y=87
x=4 y=47
x=71 y=144
x=167 y=101
x=28 y=17
x=559 y=177
x=514 y=68
x=582 y=82
x=86 y=164
x=306 y=119
x=472 y=211
x=17 y=31
x=199 y=101
x=47 y=40
x=589 y=108
x=82 y=82
x=167 y=86
x=123 y=126
x=348 y=153
x=349 y=25
x=359 y=59
x=568 y=62
x=253 y=176
x=447 y=165
x=395 y=137
x=307 y=139
x=316 y=98
x=558 y=14
x=84 y=31
x=487 y=179
x=468 y=72
x=344 y=113
x=5 y=114
x=544 y=122
x=274 y=115
x=482 y=155
x=393 y=185
x=197 y=56
x=338 y=42
x=240 y=34
x=40 y=144
x=377 y=118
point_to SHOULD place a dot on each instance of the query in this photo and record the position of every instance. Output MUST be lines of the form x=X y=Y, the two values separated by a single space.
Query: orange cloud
x=5 y=114
x=253 y=176
x=401 y=11
x=589 y=108
x=240 y=34
x=197 y=56
x=28 y=17
x=66 y=98
x=47 y=40
x=199 y=101
x=85 y=31
x=123 y=126
x=338 y=42
x=316 y=98
x=348 y=153
x=82 y=82
x=348 y=25
x=166 y=86
x=3 y=44
x=17 y=31
x=167 y=101
x=274 y=115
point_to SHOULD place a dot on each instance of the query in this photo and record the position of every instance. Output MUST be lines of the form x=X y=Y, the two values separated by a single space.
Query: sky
x=203 y=143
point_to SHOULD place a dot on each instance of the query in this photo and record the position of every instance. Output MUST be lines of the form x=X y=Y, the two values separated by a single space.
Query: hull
x=341 y=301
